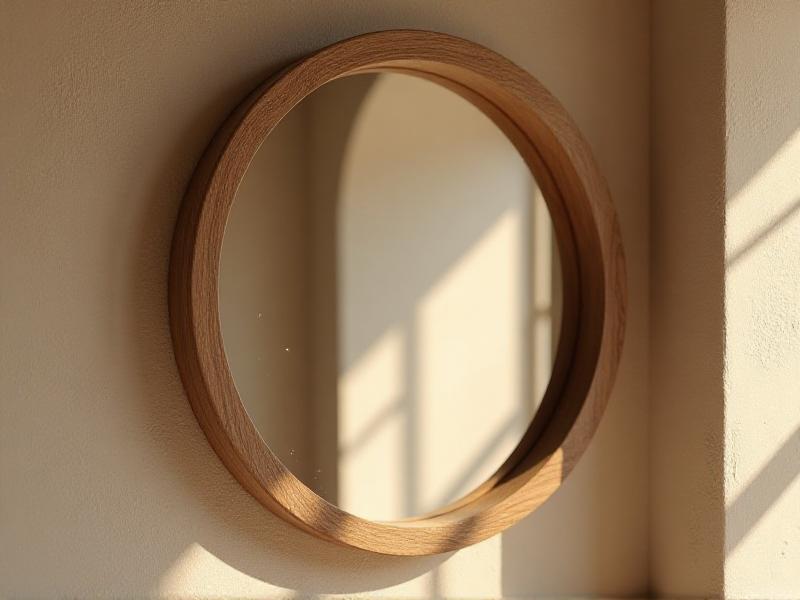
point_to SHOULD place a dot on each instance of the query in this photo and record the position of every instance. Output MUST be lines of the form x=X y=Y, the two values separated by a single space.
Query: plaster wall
x=108 y=487
x=762 y=301
x=687 y=298
x=725 y=273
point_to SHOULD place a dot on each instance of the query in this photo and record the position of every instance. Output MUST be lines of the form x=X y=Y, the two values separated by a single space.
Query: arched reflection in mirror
x=389 y=295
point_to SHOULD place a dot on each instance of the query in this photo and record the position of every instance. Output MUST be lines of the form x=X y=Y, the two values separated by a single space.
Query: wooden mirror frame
x=593 y=273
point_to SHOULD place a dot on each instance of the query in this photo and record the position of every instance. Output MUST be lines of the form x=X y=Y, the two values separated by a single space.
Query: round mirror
x=389 y=295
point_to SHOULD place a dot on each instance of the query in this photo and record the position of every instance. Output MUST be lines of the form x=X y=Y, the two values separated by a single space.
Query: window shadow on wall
x=754 y=502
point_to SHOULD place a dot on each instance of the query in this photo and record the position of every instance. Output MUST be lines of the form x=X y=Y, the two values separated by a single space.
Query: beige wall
x=107 y=485
x=762 y=301
x=725 y=268
x=687 y=298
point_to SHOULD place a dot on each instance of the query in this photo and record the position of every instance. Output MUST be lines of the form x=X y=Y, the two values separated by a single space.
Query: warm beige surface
x=725 y=279
x=762 y=301
x=109 y=487
x=687 y=278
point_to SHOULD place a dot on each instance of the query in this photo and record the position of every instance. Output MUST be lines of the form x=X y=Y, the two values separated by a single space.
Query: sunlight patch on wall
x=208 y=577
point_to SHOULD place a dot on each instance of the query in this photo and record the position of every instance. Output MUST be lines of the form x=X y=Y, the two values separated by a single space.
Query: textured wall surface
x=725 y=276
x=687 y=294
x=762 y=301
x=108 y=486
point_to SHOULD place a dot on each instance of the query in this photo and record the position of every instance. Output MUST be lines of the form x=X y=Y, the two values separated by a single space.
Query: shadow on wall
x=762 y=231
x=764 y=234
x=755 y=501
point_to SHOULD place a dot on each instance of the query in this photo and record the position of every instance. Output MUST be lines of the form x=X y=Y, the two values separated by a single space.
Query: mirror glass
x=389 y=295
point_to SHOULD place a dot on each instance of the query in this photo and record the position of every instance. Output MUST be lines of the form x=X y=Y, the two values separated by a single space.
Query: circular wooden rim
x=592 y=270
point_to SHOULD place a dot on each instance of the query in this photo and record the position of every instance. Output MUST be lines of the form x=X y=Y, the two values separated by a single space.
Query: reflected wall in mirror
x=389 y=295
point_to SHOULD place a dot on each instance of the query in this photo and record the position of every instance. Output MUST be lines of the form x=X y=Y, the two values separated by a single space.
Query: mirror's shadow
x=389 y=295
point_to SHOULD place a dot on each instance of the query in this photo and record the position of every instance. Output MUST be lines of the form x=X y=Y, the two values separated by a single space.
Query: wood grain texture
x=593 y=273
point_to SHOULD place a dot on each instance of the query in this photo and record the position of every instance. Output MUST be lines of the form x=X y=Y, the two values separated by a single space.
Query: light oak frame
x=593 y=273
